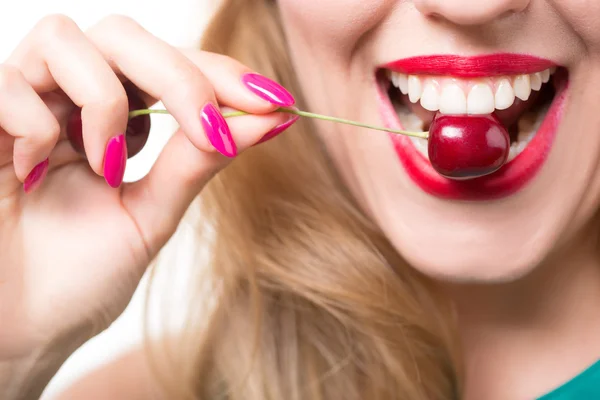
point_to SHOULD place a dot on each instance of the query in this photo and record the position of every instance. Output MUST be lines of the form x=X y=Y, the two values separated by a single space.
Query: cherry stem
x=422 y=135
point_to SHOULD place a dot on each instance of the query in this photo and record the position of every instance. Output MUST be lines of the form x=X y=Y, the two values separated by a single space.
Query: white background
x=179 y=22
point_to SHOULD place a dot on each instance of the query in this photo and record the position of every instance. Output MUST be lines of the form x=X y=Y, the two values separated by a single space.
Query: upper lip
x=472 y=66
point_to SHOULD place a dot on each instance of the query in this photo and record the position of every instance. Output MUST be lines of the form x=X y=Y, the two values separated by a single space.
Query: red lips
x=470 y=67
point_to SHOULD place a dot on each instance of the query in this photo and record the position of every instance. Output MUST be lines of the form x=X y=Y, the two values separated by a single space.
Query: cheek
x=330 y=24
x=582 y=15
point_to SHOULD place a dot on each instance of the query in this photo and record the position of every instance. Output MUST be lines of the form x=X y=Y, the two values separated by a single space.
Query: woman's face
x=488 y=54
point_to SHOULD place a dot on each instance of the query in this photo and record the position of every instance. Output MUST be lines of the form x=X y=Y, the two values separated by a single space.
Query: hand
x=73 y=249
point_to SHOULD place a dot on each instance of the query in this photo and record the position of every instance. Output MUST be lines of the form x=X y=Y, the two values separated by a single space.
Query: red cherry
x=136 y=134
x=467 y=146
x=138 y=128
x=74 y=131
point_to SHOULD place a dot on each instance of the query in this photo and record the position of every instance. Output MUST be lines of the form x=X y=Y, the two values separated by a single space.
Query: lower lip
x=508 y=180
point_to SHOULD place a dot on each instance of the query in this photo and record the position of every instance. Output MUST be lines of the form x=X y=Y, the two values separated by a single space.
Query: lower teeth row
x=528 y=126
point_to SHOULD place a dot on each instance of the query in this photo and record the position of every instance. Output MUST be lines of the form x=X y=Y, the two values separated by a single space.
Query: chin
x=470 y=262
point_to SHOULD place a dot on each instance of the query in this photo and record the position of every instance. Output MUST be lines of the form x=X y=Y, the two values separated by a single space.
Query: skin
x=524 y=270
x=112 y=235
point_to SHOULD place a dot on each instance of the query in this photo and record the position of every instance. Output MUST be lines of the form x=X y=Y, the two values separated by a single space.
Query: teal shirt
x=585 y=386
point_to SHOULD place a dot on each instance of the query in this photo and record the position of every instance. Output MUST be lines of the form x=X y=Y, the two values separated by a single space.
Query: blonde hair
x=308 y=299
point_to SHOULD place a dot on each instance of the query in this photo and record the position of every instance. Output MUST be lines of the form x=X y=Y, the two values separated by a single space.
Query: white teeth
x=430 y=99
x=480 y=100
x=522 y=87
x=529 y=124
x=415 y=89
x=421 y=146
x=453 y=100
x=536 y=81
x=400 y=81
x=512 y=153
x=505 y=95
x=403 y=83
x=545 y=76
x=455 y=96
x=412 y=123
x=394 y=78
x=515 y=149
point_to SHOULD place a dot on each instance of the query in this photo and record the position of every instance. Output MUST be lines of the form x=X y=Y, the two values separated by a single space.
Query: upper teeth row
x=459 y=96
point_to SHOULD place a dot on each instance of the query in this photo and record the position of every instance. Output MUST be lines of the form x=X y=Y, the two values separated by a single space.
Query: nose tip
x=470 y=12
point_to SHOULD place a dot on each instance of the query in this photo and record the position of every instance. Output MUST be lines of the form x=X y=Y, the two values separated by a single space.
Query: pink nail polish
x=217 y=131
x=278 y=129
x=115 y=160
x=36 y=176
x=268 y=90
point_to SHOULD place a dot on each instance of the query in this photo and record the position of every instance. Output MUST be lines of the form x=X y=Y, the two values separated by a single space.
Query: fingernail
x=278 y=129
x=36 y=176
x=115 y=160
x=217 y=131
x=268 y=90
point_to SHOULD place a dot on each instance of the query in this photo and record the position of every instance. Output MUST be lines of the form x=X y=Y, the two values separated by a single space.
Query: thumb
x=158 y=201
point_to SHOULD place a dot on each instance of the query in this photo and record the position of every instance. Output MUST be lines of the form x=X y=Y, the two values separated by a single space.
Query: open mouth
x=529 y=105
